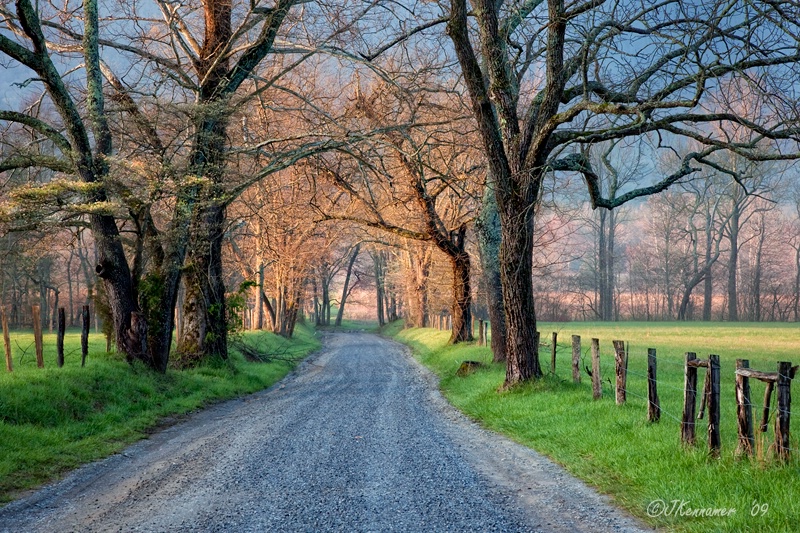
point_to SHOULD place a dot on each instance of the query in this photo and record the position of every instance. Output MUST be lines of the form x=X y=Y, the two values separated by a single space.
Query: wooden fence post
x=653 y=404
x=553 y=353
x=481 y=338
x=37 y=335
x=486 y=327
x=784 y=407
x=714 y=440
x=621 y=370
x=744 y=411
x=6 y=341
x=689 y=401
x=597 y=389
x=62 y=326
x=576 y=358
x=85 y=335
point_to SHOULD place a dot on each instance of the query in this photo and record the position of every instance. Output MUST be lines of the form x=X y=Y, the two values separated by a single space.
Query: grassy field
x=613 y=447
x=55 y=419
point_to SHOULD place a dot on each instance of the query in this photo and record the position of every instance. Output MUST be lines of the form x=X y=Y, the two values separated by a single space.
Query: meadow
x=641 y=465
x=55 y=419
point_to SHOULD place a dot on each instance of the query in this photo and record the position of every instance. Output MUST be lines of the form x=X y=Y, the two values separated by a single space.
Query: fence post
x=714 y=440
x=782 y=416
x=689 y=401
x=597 y=390
x=486 y=327
x=744 y=411
x=37 y=336
x=62 y=326
x=553 y=354
x=6 y=341
x=576 y=358
x=481 y=338
x=85 y=335
x=653 y=404
x=621 y=370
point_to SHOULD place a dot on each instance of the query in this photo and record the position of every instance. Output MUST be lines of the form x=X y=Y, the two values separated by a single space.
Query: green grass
x=55 y=419
x=613 y=447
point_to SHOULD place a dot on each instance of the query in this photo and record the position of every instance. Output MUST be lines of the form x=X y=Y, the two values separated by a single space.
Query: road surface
x=356 y=439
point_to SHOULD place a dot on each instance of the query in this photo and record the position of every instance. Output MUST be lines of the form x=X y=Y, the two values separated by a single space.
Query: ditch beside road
x=357 y=438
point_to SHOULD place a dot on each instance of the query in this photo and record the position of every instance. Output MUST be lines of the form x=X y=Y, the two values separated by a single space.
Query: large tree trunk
x=516 y=258
x=204 y=330
x=487 y=226
x=346 y=287
x=461 y=308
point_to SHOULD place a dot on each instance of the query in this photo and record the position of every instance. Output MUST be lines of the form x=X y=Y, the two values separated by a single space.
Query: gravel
x=356 y=439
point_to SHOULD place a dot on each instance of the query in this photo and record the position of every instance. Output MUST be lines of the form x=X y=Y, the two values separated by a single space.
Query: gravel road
x=356 y=439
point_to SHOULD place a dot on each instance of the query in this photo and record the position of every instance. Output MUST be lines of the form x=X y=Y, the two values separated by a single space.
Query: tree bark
x=733 y=264
x=487 y=227
x=346 y=286
x=461 y=309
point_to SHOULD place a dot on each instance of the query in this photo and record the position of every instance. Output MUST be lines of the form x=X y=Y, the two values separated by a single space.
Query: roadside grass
x=613 y=447
x=53 y=420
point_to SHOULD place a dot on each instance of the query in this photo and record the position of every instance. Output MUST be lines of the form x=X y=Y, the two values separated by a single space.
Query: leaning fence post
x=689 y=400
x=621 y=370
x=85 y=335
x=653 y=404
x=6 y=341
x=784 y=387
x=714 y=441
x=597 y=390
x=744 y=411
x=37 y=336
x=62 y=326
x=576 y=358
x=553 y=354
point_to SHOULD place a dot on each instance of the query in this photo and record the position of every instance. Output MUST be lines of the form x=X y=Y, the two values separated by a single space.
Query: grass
x=613 y=447
x=55 y=419
x=370 y=326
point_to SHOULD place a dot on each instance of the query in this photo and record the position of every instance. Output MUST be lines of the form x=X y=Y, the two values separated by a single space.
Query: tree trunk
x=516 y=264
x=487 y=226
x=461 y=309
x=757 y=274
x=708 y=281
x=346 y=287
x=378 y=264
x=733 y=264
x=204 y=330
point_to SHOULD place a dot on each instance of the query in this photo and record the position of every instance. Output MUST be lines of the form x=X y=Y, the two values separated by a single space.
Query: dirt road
x=356 y=439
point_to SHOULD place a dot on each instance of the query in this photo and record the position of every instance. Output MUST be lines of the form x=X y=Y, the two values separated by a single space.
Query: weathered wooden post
x=621 y=371
x=784 y=386
x=37 y=336
x=744 y=411
x=597 y=389
x=653 y=404
x=62 y=326
x=481 y=337
x=6 y=341
x=767 y=399
x=689 y=400
x=85 y=335
x=576 y=358
x=714 y=440
x=553 y=353
x=486 y=327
